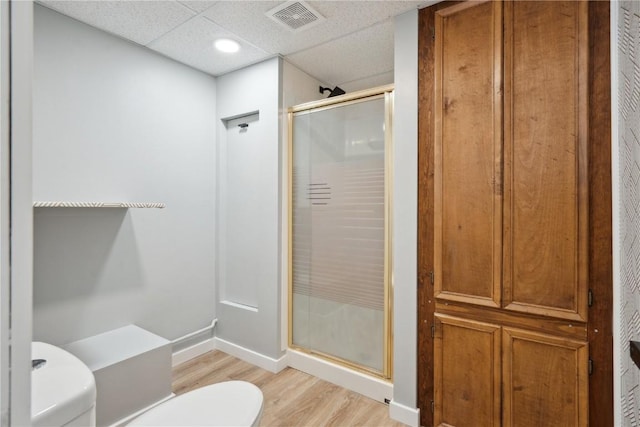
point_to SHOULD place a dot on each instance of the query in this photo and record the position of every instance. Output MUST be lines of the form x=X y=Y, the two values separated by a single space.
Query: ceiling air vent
x=295 y=16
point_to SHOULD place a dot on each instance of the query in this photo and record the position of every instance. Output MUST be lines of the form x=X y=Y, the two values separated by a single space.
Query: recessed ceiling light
x=227 y=45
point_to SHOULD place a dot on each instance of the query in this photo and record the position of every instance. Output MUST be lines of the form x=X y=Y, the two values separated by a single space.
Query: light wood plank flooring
x=291 y=397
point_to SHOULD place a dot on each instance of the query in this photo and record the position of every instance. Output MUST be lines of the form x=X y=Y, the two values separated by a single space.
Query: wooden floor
x=291 y=397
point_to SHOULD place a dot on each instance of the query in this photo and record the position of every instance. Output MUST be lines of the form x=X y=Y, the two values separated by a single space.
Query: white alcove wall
x=249 y=197
x=115 y=122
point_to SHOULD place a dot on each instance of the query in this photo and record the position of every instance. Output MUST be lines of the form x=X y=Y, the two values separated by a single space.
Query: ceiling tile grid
x=138 y=21
x=362 y=54
x=366 y=82
x=192 y=44
x=197 y=5
x=248 y=19
x=352 y=46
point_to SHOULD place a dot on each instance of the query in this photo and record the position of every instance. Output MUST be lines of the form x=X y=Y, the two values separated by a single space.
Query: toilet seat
x=231 y=403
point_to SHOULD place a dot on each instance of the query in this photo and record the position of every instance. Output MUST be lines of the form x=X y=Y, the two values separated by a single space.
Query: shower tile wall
x=629 y=126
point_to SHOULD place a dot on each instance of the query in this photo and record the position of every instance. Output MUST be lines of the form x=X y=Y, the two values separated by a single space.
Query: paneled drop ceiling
x=351 y=48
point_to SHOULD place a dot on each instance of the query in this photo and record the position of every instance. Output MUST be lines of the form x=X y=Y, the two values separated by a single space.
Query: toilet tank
x=63 y=390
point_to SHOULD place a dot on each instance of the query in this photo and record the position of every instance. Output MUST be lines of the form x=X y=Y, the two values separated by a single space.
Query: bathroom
x=141 y=128
x=122 y=123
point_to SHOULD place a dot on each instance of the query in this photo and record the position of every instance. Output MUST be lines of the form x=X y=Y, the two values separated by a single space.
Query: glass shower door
x=339 y=238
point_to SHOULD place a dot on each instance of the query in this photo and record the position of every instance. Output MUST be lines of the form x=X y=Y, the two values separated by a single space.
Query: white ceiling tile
x=248 y=19
x=192 y=44
x=184 y=30
x=139 y=21
x=367 y=82
x=357 y=56
x=198 y=5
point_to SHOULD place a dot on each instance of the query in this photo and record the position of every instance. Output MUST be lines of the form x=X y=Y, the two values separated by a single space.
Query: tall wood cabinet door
x=466 y=373
x=468 y=153
x=507 y=120
x=545 y=158
x=545 y=380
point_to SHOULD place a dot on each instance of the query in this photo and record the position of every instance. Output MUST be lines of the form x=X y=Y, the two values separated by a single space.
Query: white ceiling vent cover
x=295 y=16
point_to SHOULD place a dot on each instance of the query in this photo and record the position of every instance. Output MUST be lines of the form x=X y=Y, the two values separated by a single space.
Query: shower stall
x=339 y=264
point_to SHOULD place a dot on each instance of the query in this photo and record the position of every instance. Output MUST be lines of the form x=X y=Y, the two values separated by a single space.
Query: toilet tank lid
x=62 y=388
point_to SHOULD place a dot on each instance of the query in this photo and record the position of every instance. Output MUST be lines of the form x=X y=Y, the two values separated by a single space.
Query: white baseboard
x=404 y=414
x=250 y=356
x=193 y=351
x=366 y=385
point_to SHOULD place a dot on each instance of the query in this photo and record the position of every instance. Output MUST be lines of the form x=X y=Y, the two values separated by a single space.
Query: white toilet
x=63 y=393
x=63 y=390
x=231 y=403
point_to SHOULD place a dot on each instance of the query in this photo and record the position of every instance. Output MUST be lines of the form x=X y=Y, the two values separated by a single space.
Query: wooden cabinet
x=511 y=212
x=545 y=158
x=544 y=379
x=486 y=374
x=468 y=159
x=511 y=200
x=467 y=372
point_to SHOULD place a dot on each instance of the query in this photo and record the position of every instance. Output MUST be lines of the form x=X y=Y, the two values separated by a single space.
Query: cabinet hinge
x=433 y=406
x=433 y=33
x=432 y=276
x=590 y=298
x=433 y=331
x=590 y=366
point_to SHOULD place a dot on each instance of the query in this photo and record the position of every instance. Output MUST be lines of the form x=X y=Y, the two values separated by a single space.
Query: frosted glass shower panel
x=338 y=235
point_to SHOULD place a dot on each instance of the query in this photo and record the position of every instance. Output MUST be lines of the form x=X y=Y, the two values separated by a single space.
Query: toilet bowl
x=63 y=390
x=231 y=403
x=63 y=393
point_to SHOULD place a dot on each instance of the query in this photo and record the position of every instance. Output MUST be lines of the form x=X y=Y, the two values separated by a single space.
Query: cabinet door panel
x=545 y=380
x=510 y=216
x=545 y=163
x=466 y=373
x=468 y=151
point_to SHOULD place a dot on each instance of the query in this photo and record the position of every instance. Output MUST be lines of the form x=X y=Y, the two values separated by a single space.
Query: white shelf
x=97 y=205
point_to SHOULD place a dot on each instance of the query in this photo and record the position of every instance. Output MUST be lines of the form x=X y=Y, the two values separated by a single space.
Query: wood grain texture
x=425 y=302
x=468 y=153
x=600 y=328
x=578 y=180
x=291 y=397
x=546 y=184
x=533 y=322
x=467 y=373
x=544 y=380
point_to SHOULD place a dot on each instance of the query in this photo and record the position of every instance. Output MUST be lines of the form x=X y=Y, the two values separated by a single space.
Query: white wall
x=5 y=206
x=114 y=121
x=368 y=82
x=297 y=87
x=405 y=229
x=21 y=222
x=256 y=328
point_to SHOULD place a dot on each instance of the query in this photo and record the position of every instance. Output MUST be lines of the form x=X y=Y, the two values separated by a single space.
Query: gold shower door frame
x=385 y=92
